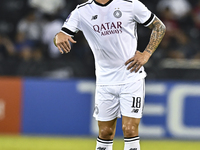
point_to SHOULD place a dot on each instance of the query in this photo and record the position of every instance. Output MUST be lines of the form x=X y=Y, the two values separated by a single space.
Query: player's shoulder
x=85 y=4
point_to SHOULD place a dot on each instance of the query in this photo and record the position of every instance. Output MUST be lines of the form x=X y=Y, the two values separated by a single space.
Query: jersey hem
x=123 y=82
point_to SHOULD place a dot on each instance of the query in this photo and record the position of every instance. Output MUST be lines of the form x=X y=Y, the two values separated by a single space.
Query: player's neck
x=102 y=1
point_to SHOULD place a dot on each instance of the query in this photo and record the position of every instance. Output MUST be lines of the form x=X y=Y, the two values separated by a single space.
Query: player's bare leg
x=130 y=129
x=106 y=134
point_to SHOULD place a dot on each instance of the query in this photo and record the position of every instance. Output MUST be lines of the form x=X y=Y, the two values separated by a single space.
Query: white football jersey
x=111 y=31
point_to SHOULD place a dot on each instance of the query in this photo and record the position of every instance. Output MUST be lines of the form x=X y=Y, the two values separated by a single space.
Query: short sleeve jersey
x=111 y=32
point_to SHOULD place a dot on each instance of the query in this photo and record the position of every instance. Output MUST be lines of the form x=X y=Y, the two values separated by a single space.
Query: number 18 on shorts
x=112 y=101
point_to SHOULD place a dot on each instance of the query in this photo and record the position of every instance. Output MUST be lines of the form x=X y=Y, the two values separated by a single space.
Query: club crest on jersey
x=117 y=13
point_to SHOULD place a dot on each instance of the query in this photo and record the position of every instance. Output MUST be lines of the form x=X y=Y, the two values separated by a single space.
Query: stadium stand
x=178 y=56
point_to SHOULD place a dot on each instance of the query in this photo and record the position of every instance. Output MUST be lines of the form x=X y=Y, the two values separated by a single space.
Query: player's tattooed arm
x=139 y=59
x=158 y=32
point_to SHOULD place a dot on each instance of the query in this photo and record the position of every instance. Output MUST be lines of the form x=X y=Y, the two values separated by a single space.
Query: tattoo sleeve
x=158 y=32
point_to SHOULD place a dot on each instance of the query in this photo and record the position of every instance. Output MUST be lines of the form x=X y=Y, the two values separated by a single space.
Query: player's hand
x=137 y=61
x=61 y=41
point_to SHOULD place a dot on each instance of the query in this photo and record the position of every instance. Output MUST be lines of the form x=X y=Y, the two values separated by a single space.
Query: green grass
x=67 y=143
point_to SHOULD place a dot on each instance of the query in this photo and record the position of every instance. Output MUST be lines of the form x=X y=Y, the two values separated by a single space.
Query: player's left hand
x=137 y=61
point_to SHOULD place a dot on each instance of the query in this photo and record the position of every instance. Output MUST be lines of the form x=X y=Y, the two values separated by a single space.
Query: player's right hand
x=61 y=41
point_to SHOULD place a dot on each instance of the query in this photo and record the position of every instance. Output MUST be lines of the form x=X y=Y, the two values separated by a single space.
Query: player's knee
x=130 y=130
x=106 y=133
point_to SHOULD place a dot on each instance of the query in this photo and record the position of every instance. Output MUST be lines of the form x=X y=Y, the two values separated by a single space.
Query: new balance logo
x=101 y=148
x=94 y=17
x=133 y=149
x=135 y=110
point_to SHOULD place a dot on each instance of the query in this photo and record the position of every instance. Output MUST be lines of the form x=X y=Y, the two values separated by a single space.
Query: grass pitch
x=67 y=143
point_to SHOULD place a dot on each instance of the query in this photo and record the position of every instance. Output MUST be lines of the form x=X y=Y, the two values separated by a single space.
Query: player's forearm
x=158 y=32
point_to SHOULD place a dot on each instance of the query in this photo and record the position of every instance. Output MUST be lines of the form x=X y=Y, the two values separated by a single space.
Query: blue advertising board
x=172 y=110
x=66 y=106
x=55 y=107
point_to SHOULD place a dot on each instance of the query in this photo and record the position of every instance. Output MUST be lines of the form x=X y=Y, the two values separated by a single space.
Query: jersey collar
x=103 y=4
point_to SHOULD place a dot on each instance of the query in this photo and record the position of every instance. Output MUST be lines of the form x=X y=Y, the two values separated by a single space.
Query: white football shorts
x=112 y=101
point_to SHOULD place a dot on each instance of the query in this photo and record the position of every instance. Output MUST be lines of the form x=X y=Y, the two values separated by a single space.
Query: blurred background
x=45 y=93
